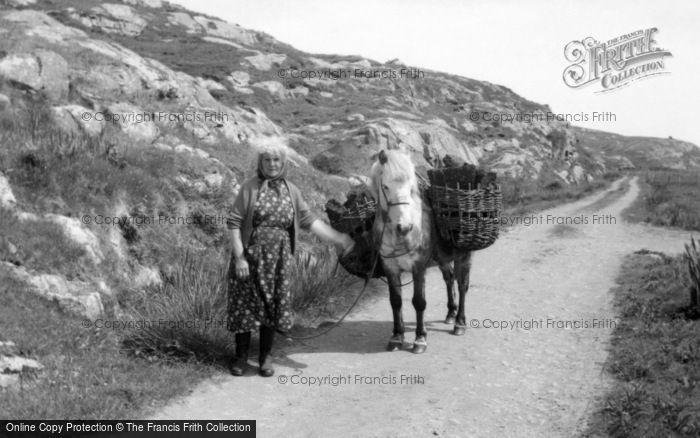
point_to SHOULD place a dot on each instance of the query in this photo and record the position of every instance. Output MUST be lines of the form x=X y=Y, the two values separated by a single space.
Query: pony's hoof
x=450 y=320
x=459 y=330
x=395 y=343
x=419 y=346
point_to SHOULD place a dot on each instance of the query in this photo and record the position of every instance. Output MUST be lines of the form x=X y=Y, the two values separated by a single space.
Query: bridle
x=386 y=220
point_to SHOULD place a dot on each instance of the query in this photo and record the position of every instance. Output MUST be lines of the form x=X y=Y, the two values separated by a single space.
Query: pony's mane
x=398 y=167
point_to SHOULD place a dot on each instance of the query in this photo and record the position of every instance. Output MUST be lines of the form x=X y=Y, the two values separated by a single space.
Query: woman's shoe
x=240 y=362
x=238 y=366
x=267 y=336
x=266 y=369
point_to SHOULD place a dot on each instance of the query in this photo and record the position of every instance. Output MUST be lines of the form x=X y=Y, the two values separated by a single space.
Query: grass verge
x=86 y=374
x=655 y=354
x=668 y=198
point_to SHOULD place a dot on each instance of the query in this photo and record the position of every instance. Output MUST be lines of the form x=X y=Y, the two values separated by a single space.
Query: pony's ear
x=382 y=157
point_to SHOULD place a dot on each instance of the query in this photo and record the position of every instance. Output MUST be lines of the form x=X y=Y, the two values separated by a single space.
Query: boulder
x=239 y=78
x=226 y=30
x=185 y=20
x=18 y=364
x=133 y=122
x=147 y=276
x=78 y=118
x=265 y=61
x=13 y=368
x=42 y=70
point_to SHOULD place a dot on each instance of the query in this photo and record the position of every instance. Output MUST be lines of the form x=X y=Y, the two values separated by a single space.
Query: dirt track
x=540 y=381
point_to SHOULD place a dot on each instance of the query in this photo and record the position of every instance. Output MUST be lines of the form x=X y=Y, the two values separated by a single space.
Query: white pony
x=408 y=241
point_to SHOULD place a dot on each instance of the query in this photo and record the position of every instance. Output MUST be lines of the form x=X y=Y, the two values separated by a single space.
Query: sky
x=515 y=43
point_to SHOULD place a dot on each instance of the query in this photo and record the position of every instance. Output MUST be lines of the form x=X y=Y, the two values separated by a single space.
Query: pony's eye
x=385 y=187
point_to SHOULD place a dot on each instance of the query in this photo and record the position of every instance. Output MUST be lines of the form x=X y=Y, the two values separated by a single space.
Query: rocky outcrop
x=41 y=70
x=76 y=296
x=215 y=28
x=155 y=4
x=116 y=73
x=112 y=18
x=426 y=142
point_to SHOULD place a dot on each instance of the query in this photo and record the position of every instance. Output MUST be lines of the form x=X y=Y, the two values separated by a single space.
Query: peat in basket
x=467 y=204
x=356 y=218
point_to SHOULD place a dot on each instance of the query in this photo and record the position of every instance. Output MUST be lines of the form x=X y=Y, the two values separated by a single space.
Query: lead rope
x=357 y=299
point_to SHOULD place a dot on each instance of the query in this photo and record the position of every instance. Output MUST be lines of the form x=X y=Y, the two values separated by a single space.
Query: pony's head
x=395 y=186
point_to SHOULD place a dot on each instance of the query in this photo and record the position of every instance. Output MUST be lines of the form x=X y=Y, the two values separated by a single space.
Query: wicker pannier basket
x=356 y=218
x=466 y=206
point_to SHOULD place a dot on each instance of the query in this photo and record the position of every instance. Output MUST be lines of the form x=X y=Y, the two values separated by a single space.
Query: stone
x=18 y=364
x=147 y=276
x=7 y=198
x=4 y=102
x=214 y=180
x=239 y=78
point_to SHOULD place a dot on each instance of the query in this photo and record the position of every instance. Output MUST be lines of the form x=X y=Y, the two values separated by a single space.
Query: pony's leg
x=448 y=275
x=463 y=263
x=396 y=340
x=418 y=301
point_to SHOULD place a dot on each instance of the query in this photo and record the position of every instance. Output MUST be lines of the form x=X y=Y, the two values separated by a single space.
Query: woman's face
x=272 y=165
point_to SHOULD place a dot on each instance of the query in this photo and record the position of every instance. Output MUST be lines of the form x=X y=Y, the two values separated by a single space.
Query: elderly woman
x=265 y=221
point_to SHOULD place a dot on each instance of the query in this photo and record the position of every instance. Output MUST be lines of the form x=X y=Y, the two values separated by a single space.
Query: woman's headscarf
x=266 y=180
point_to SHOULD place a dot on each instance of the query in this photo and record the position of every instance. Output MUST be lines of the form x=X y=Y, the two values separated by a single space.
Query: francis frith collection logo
x=614 y=63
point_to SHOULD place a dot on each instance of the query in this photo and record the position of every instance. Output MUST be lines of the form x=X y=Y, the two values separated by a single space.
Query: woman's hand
x=242 y=270
x=325 y=232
